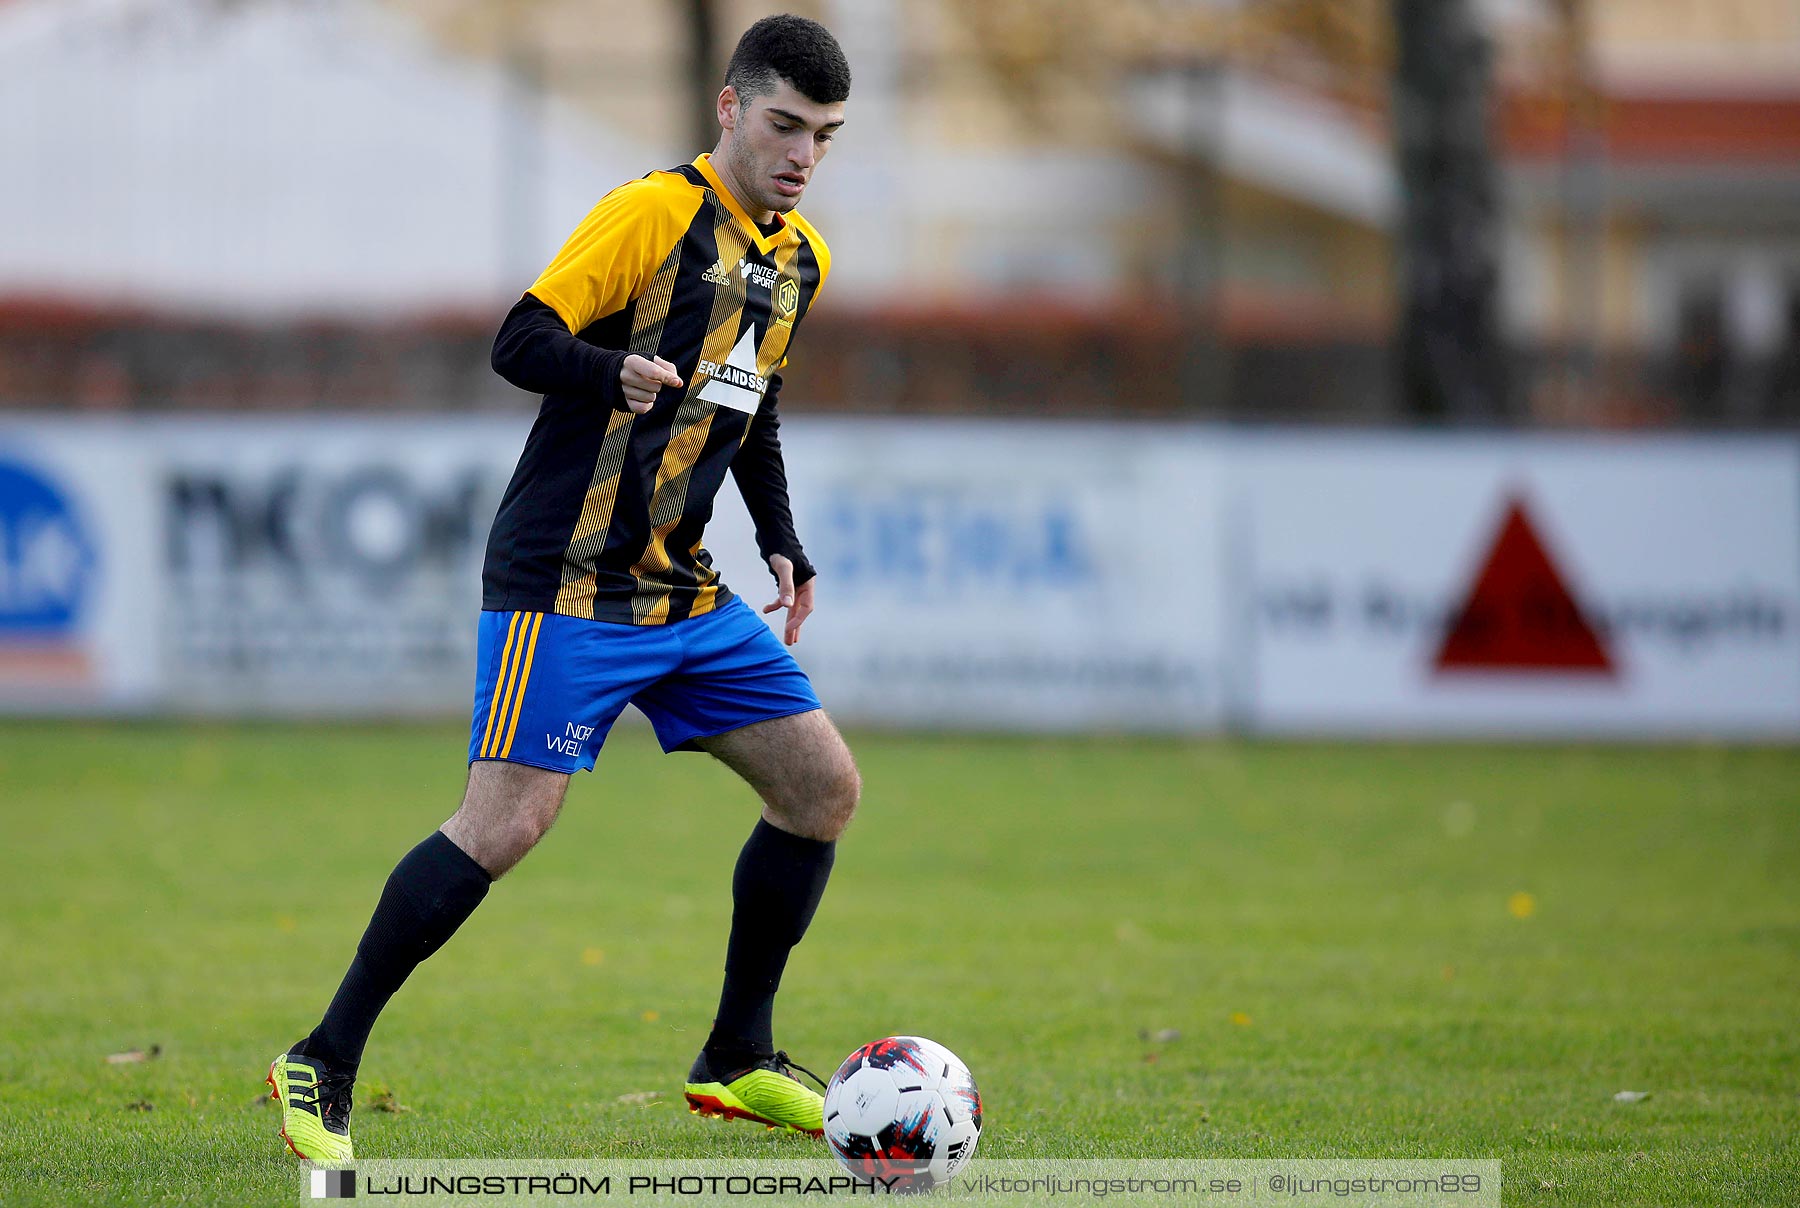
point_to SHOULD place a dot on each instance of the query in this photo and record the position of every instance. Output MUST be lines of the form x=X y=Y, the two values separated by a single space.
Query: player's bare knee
x=532 y=820
x=476 y=842
x=816 y=806
x=834 y=799
x=529 y=825
x=507 y=853
x=499 y=848
x=848 y=793
x=505 y=811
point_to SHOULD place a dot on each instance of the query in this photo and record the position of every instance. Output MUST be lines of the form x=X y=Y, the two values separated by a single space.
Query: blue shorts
x=549 y=687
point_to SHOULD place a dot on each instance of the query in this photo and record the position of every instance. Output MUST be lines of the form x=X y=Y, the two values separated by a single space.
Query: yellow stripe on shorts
x=518 y=701
x=506 y=653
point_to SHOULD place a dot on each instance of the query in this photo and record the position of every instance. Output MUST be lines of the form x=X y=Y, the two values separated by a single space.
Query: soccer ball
x=903 y=1108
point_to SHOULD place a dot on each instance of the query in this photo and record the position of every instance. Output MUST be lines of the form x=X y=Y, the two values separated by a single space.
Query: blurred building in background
x=1653 y=152
x=1143 y=207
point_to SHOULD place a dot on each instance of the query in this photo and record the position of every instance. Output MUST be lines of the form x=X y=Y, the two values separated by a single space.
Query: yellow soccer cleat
x=767 y=1092
x=315 y=1107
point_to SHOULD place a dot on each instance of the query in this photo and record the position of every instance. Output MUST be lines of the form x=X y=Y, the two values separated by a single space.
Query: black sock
x=431 y=891
x=779 y=880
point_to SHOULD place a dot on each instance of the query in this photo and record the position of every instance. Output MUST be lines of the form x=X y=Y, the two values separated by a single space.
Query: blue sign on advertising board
x=49 y=565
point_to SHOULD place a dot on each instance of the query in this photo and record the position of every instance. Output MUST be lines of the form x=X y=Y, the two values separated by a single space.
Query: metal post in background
x=1451 y=363
x=705 y=73
x=1205 y=365
x=1583 y=234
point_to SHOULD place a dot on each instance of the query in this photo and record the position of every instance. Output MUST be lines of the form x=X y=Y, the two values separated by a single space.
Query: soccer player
x=655 y=337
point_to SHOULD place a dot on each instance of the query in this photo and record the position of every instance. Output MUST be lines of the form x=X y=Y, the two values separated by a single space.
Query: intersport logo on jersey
x=1440 y=586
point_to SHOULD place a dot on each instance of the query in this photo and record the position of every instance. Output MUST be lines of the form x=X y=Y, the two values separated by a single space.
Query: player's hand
x=643 y=378
x=797 y=600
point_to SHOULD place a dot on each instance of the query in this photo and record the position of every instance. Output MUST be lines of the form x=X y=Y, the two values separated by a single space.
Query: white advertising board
x=1003 y=575
x=1529 y=586
x=326 y=565
x=79 y=568
x=998 y=575
x=972 y=574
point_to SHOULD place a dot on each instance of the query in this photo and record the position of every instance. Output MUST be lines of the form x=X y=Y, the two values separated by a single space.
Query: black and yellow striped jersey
x=604 y=514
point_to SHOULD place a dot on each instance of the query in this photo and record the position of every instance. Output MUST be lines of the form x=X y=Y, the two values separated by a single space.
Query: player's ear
x=729 y=108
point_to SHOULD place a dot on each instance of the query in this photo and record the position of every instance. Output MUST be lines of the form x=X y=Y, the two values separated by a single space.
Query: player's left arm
x=761 y=476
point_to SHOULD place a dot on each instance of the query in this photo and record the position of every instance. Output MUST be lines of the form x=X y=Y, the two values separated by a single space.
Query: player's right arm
x=606 y=264
x=536 y=352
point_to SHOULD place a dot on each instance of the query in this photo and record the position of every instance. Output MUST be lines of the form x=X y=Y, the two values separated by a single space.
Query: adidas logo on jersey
x=718 y=274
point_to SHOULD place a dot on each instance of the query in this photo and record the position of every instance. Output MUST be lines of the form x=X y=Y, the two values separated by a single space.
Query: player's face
x=772 y=145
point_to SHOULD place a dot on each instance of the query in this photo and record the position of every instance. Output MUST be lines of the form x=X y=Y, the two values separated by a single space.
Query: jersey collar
x=764 y=243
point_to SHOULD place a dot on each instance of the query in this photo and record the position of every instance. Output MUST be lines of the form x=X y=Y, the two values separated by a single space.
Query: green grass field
x=1340 y=935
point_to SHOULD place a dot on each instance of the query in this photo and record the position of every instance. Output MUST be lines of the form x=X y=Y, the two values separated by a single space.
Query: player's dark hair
x=795 y=49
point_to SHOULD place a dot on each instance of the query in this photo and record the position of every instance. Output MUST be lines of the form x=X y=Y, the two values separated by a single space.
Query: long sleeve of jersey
x=761 y=476
x=536 y=351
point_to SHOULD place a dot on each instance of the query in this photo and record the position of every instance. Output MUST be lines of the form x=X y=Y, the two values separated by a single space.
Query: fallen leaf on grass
x=142 y=1105
x=639 y=1098
x=1152 y=1058
x=133 y=1056
x=1239 y=1019
x=1631 y=1096
x=381 y=1099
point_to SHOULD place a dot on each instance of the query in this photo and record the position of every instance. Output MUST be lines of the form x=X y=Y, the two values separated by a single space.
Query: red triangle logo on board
x=1520 y=615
